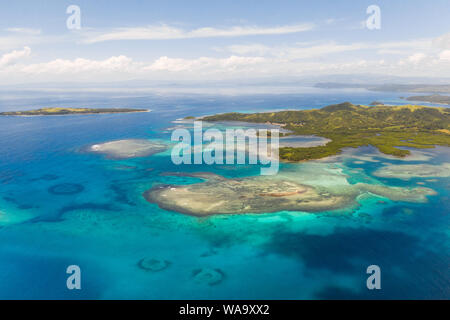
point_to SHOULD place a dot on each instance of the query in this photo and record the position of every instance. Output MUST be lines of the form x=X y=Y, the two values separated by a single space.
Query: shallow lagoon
x=108 y=227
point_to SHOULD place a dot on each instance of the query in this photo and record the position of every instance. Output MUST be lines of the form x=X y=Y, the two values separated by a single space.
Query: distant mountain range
x=422 y=88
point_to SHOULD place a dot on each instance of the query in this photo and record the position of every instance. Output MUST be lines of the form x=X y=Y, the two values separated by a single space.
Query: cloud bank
x=416 y=58
x=166 y=32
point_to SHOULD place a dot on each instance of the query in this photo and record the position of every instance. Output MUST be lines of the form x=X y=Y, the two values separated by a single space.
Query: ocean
x=62 y=206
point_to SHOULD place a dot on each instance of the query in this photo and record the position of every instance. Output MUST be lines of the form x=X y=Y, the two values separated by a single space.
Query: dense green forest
x=348 y=125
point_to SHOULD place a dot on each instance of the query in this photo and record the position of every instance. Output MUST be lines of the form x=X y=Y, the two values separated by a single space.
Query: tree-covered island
x=64 y=111
x=348 y=125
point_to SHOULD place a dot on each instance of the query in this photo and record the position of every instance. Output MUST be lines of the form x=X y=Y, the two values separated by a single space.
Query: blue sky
x=204 y=40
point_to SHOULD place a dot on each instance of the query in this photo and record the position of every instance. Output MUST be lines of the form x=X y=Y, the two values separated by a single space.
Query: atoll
x=152 y=264
x=263 y=194
x=208 y=276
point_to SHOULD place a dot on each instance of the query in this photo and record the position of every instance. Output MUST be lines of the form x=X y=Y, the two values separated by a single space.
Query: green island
x=348 y=125
x=64 y=111
x=434 y=98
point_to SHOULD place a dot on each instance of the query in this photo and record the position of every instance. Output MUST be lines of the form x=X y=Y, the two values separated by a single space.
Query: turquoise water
x=106 y=226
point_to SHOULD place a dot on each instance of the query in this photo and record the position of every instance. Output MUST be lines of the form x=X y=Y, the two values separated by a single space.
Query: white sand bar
x=128 y=148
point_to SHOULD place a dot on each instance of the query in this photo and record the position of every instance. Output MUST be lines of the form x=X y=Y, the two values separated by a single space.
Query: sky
x=220 y=40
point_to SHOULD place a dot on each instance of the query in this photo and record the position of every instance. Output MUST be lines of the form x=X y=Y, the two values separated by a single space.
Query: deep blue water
x=108 y=227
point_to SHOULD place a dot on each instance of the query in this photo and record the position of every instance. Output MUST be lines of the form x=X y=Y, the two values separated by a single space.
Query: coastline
x=72 y=113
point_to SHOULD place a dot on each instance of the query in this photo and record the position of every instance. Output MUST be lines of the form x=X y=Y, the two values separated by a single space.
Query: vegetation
x=62 y=111
x=348 y=125
x=434 y=98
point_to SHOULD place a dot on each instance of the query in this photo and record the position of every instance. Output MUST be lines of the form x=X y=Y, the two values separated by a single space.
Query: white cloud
x=297 y=52
x=14 y=56
x=8 y=43
x=28 y=31
x=318 y=49
x=404 y=46
x=210 y=68
x=232 y=63
x=244 y=49
x=417 y=57
x=13 y=38
x=121 y=64
x=404 y=58
x=445 y=55
x=166 y=32
x=442 y=42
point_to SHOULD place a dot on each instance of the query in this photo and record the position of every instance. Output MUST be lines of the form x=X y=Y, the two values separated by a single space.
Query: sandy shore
x=127 y=148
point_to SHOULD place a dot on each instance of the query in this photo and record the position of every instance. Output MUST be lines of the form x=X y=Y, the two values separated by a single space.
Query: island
x=434 y=98
x=349 y=125
x=418 y=88
x=299 y=190
x=66 y=111
x=127 y=148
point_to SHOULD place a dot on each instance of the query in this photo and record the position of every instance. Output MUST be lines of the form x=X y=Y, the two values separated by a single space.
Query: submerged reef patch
x=46 y=177
x=87 y=206
x=121 y=194
x=152 y=264
x=208 y=276
x=66 y=189
x=7 y=176
x=408 y=171
x=19 y=204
